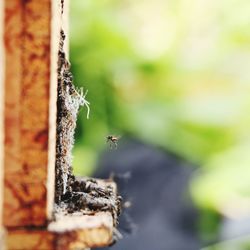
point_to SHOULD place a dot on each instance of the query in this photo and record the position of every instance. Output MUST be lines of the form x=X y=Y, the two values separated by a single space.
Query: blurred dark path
x=157 y=185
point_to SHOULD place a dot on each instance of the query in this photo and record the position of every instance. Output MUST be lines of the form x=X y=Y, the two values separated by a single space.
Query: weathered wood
x=31 y=42
x=70 y=232
x=23 y=239
x=81 y=231
x=84 y=228
x=1 y=114
x=57 y=22
x=31 y=36
x=27 y=84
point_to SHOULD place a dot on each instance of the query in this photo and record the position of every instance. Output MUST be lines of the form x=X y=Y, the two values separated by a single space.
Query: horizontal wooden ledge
x=69 y=232
x=78 y=221
x=84 y=228
x=82 y=231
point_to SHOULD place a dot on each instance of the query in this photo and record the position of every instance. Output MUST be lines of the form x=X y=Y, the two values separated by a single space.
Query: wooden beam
x=56 y=24
x=24 y=239
x=70 y=232
x=82 y=231
x=2 y=66
x=27 y=156
x=30 y=111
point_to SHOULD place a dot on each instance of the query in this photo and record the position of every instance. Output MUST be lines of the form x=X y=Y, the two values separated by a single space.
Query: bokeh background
x=173 y=74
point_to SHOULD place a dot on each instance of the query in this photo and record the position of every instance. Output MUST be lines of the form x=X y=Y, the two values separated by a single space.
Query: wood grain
x=31 y=39
x=30 y=240
x=2 y=66
x=69 y=232
x=27 y=36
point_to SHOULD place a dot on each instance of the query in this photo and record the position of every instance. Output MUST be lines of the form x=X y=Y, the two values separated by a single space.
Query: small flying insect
x=113 y=141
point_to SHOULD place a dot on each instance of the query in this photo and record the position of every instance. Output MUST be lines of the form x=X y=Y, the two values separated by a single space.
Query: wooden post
x=1 y=118
x=27 y=38
x=29 y=42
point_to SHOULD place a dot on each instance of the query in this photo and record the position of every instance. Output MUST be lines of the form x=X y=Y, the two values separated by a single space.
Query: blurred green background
x=175 y=74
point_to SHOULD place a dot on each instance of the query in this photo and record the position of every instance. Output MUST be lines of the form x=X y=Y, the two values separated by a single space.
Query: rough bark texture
x=72 y=193
x=68 y=103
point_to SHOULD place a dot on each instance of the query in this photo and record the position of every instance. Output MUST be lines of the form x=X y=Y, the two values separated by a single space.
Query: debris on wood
x=85 y=195
x=68 y=104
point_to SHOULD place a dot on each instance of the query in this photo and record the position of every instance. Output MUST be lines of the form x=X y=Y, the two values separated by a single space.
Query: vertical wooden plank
x=27 y=34
x=1 y=120
x=31 y=38
x=55 y=34
x=59 y=20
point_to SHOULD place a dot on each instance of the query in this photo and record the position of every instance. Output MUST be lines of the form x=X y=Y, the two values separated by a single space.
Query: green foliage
x=175 y=74
x=209 y=225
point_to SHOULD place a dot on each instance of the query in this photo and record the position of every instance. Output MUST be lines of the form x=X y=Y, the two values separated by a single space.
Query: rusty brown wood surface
x=69 y=232
x=24 y=239
x=31 y=38
x=27 y=84
x=82 y=231
x=2 y=65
